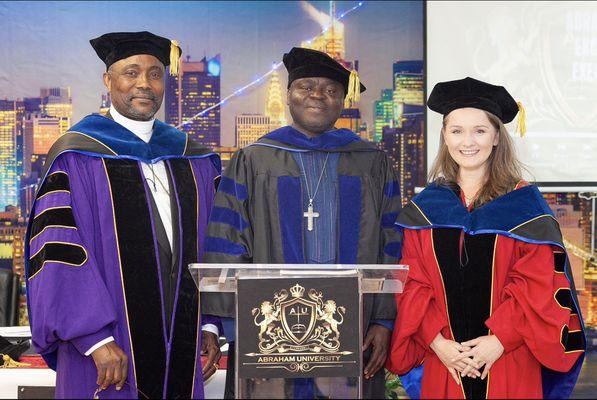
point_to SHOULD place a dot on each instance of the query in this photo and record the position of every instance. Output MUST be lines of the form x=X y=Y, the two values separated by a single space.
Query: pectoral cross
x=310 y=214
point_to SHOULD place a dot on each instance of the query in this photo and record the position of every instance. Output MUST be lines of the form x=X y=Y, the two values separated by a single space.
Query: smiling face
x=315 y=104
x=136 y=86
x=469 y=137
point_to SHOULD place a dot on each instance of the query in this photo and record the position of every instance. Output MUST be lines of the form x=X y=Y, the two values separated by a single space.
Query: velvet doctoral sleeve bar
x=63 y=271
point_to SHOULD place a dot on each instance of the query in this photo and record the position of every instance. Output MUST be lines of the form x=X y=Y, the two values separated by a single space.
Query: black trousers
x=374 y=388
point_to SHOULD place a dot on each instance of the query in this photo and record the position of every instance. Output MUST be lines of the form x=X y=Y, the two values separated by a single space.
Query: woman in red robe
x=489 y=308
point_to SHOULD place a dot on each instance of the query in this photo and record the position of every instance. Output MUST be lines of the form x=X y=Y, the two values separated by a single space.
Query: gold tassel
x=10 y=363
x=174 y=58
x=353 y=94
x=521 y=126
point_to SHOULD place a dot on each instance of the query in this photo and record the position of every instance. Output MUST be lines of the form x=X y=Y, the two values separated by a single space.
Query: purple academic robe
x=94 y=270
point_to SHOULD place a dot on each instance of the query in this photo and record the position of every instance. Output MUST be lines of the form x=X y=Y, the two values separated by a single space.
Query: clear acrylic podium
x=299 y=327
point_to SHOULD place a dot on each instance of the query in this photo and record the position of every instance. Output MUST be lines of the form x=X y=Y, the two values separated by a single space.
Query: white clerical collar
x=142 y=129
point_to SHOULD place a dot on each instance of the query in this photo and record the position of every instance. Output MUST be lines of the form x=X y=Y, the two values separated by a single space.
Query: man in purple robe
x=121 y=211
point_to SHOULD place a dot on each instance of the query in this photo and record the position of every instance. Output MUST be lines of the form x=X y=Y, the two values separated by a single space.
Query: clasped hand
x=468 y=357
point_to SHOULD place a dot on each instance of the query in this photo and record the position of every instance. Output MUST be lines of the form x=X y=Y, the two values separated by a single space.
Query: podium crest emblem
x=298 y=315
x=309 y=328
x=291 y=322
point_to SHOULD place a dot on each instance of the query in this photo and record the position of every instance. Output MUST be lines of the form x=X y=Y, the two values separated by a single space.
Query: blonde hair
x=504 y=170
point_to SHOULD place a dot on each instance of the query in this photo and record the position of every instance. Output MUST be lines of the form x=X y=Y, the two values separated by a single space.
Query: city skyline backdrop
x=40 y=100
x=248 y=37
x=41 y=96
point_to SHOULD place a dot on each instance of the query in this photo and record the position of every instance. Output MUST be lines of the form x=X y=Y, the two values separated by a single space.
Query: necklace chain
x=318 y=182
x=155 y=177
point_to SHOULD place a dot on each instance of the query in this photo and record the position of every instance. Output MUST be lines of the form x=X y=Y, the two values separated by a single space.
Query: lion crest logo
x=293 y=323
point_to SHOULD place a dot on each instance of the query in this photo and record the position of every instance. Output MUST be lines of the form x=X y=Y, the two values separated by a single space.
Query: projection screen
x=545 y=54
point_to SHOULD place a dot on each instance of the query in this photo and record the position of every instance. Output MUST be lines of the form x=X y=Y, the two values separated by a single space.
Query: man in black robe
x=310 y=193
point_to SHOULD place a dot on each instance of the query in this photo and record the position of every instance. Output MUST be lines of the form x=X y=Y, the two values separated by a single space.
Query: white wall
x=545 y=54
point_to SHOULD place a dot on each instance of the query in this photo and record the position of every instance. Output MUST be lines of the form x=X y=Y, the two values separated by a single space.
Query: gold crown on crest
x=297 y=291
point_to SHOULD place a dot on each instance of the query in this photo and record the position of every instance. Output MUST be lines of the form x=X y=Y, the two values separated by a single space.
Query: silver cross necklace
x=310 y=213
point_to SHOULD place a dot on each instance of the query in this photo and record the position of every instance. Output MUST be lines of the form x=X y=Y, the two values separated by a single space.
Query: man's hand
x=379 y=338
x=112 y=365
x=449 y=353
x=485 y=350
x=210 y=346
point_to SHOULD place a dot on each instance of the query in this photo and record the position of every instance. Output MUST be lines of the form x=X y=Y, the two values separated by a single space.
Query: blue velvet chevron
x=166 y=141
x=227 y=216
x=326 y=141
x=444 y=209
x=224 y=246
x=231 y=187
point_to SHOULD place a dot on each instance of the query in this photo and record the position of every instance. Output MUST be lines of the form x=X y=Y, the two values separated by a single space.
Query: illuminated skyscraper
x=408 y=87
x=331 y=41
x=364 y=132
x=9 y=227
x=45 y=130
x=20 y=141
x=404 y=139
x=105 y=104
x=18 y=250
x=11 y=116
x=408 y=81
x=45 y=118
x=274 y=103
x=404 y=146
x=196 y=88
x=37 y=164
x=40 y=133
x=27 y=145
x=57 y=102
x=32 y=104
x=27 y=190
x=350 y=118
x=250 y=127
x=383 y=113
x=12 y=234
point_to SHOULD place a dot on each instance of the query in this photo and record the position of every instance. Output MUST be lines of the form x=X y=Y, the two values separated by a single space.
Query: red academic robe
x=470 y=281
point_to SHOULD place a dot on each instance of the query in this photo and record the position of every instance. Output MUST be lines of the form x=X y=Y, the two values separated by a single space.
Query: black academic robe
x=258 y=211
